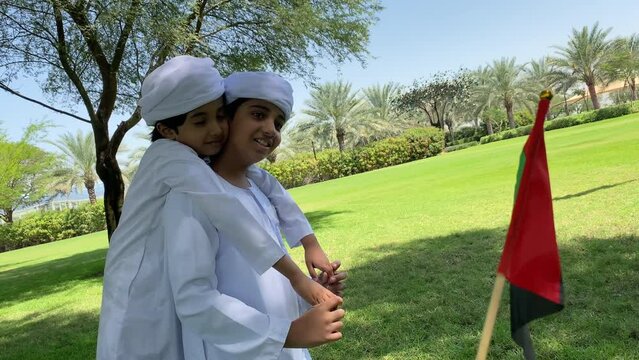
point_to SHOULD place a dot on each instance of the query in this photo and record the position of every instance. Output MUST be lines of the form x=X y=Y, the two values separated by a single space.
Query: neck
x=231 y=170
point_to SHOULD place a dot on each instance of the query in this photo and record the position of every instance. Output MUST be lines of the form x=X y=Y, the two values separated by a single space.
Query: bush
x=567 y=121
x=466 y=134
x=302 y=169
x=40 y=228
x=461 y=146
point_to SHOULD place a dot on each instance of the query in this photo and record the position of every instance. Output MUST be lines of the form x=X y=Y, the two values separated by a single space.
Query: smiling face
x=254 y=131
x=204 y=130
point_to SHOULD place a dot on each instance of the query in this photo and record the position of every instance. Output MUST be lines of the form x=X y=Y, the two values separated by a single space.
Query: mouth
x=268 y=143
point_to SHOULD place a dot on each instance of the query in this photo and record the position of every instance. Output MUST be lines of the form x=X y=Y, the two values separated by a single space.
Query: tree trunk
x=566 y=105
x=314 y=152
x=340 y=139
x=593 y=96
x=585 y=101
x=90 y=186
x=111 y=176
x=7 y=217
x=510 y=114
x=633 y=89
x=451 y=131
x=489 y=127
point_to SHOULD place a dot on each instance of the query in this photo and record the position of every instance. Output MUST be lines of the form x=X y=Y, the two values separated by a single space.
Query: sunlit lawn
x=421 y=243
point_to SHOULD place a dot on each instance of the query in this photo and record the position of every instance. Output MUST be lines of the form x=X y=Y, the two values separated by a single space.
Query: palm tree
x=540 y=75
x=481 y=98
x=623 y=62
x=79 y=168
x=506 y=84
x=382 y=119
x=564 y=81
x=334 y=105
x=586 y=52
x=380 y=100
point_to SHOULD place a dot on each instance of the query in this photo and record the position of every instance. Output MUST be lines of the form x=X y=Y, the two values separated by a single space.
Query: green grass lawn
x=421 y=242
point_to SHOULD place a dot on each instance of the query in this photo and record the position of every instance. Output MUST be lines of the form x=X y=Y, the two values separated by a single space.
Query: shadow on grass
x=589 y=191
x=426 y=299
x=422 y=299
x=321 y=218
x=50 y=336
x=34 y=281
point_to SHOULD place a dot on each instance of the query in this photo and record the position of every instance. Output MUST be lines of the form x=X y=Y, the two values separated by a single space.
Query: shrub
x=461 y=146
x=567 y=121
x=48 y=226
x=302 y=169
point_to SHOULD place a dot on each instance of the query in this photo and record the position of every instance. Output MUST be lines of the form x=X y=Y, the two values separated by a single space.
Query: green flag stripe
x=520 y=172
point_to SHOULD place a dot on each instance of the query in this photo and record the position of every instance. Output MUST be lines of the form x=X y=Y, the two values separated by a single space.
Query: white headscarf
x=260 y=85
x=179 y=86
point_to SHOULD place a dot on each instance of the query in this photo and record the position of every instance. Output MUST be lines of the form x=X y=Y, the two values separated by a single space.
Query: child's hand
x=313 y=292
x=315 y=257
x=320 y=325
x=336 y=283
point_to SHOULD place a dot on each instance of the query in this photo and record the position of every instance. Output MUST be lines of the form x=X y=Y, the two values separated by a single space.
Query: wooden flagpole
x=491 y=316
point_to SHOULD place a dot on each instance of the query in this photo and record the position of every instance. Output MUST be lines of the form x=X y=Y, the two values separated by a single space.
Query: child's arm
x=190 y=252
x=182 y=171
x=294 y=224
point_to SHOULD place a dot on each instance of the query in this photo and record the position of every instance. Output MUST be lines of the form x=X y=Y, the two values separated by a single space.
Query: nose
x=215 y=129
x=268 y=126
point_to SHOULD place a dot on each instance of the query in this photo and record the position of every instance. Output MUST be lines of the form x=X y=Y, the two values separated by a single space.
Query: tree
x=335 y=106
x=586 y=52
x=564 y=82
x=505 y=82
x=382 y=120
x=623 y=62
x=25 y=172
x=79 y=168
x=439 y=97
x=97 y=53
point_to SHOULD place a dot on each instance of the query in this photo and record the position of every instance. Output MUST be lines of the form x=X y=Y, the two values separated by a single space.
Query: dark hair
x=172 y=123
x=231 y=109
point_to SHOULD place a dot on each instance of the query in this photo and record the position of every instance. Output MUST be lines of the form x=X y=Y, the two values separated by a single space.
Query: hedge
x=567 y=121
x=48 y=226
x=302 y=169
x=461 y=146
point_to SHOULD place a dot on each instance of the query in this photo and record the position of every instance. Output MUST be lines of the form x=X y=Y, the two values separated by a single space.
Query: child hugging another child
x=165 y=295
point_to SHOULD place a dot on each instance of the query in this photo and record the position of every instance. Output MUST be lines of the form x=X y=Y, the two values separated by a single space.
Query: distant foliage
x=302 y=169
x=51 y=226
x=567 y=121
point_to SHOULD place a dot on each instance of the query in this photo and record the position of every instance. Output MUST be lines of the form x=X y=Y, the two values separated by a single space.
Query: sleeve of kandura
x=234 y=328
x=225 y=212
x=292 y=220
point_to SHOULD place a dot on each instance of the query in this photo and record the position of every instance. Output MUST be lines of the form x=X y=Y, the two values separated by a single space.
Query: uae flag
x=530 y=260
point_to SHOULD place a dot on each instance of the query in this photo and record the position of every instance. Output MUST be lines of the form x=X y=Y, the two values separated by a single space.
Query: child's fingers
x=311 y=270
x=327 y=268
x=334 y=336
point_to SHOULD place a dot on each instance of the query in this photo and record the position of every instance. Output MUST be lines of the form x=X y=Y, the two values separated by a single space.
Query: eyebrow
x=262 y=107
x=198 y=114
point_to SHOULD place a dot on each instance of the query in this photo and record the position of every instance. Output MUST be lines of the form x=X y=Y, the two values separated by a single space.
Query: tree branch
x=124 y=35
x=122 y=129
x=9 y=90
x=64 y=60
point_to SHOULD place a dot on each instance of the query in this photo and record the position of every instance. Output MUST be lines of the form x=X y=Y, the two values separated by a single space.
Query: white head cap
x=179 y=86
x=260 y=85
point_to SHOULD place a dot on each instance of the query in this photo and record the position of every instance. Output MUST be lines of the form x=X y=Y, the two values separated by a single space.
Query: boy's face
x=205 y=129
x=255 y=130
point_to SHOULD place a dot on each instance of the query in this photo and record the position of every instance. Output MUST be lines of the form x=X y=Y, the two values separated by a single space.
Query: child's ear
x=166 y=131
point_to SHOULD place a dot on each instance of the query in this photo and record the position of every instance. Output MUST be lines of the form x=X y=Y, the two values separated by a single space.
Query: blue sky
x=413 y=39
